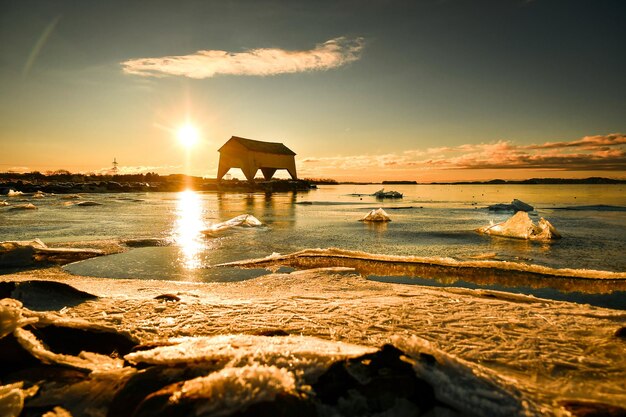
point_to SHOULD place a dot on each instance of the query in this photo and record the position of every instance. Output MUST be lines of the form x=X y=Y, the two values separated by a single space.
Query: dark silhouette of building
x=251 y=155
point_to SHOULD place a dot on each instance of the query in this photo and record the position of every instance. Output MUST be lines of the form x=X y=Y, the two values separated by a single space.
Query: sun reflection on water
x=187 y=229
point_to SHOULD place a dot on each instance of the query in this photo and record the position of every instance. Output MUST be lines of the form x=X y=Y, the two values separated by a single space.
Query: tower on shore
x=114 y=169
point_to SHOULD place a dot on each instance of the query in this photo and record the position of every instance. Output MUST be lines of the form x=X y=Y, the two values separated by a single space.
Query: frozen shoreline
x=550 y=351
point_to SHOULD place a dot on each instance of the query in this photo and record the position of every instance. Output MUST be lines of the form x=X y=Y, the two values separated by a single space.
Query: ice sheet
x=547 y=350
x=484 y=266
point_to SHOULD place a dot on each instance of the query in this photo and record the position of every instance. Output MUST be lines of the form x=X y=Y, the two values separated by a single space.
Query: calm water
x=428 y=221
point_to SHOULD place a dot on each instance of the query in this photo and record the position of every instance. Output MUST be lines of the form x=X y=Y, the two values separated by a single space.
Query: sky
x=424 y=90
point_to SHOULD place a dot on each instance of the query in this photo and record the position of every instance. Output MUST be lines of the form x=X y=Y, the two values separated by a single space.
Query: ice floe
x=520 y=226
x=595 y=207
x=26 y=206
x=87 y=203
x=382 y=194
x=32 y=252
x=243 y=220
x=377 y=215
x=516 y=205
x=383 y=264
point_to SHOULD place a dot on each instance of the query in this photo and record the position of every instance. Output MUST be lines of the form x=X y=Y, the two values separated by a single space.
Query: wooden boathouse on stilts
x=251 y=155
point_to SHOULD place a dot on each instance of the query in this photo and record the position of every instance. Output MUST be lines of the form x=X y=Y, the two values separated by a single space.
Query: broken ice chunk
x=378 y=215
x=515 y=206
x=27 y=206
x=11 y=316
x=243 y=220
x=520 y=226
x=12 y=398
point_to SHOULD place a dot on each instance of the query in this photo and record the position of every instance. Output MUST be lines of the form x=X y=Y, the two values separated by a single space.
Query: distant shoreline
x=531 y=181
x=536 y=181
x=68 y=183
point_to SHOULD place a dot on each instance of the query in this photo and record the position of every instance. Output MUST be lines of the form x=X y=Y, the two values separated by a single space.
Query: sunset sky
x=426 y=90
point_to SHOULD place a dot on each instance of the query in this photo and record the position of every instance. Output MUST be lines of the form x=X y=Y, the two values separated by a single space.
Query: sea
x=430 y=221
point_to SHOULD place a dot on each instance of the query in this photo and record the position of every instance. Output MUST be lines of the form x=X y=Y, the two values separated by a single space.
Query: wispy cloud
x=590 y=153
x=260 y=62
x=588 y=142
x=41 y=41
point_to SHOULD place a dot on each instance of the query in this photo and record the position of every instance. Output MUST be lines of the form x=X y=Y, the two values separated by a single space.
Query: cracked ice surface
x=549 y=350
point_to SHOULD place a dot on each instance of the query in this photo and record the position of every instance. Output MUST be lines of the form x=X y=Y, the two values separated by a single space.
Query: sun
x=188 y=135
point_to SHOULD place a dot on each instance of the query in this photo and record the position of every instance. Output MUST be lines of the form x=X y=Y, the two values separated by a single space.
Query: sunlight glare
x=188 y=135
x=189 y=223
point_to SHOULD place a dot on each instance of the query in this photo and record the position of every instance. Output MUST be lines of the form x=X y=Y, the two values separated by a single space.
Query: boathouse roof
x=259 y=146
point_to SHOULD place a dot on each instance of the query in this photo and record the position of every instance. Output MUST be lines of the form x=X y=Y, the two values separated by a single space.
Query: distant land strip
x=536 y=181
x=531 y=181
x=399 y=182
x=163 y=182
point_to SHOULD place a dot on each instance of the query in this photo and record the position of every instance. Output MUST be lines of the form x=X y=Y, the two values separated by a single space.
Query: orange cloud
x=588 y=142
x=260 y=62
x=591 y=153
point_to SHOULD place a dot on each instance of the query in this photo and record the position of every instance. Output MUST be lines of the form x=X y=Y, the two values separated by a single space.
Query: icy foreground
x=316 y=342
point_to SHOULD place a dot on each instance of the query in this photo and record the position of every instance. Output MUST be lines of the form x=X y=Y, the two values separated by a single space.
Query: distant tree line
x=327 y=181
x=399 y=182
x=62 y=175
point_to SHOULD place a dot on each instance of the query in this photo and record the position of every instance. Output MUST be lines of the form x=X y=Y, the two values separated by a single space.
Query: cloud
x=260 y=62
x=34 y=53
x=588 y=142
x=355 y=161
x=591 y=153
